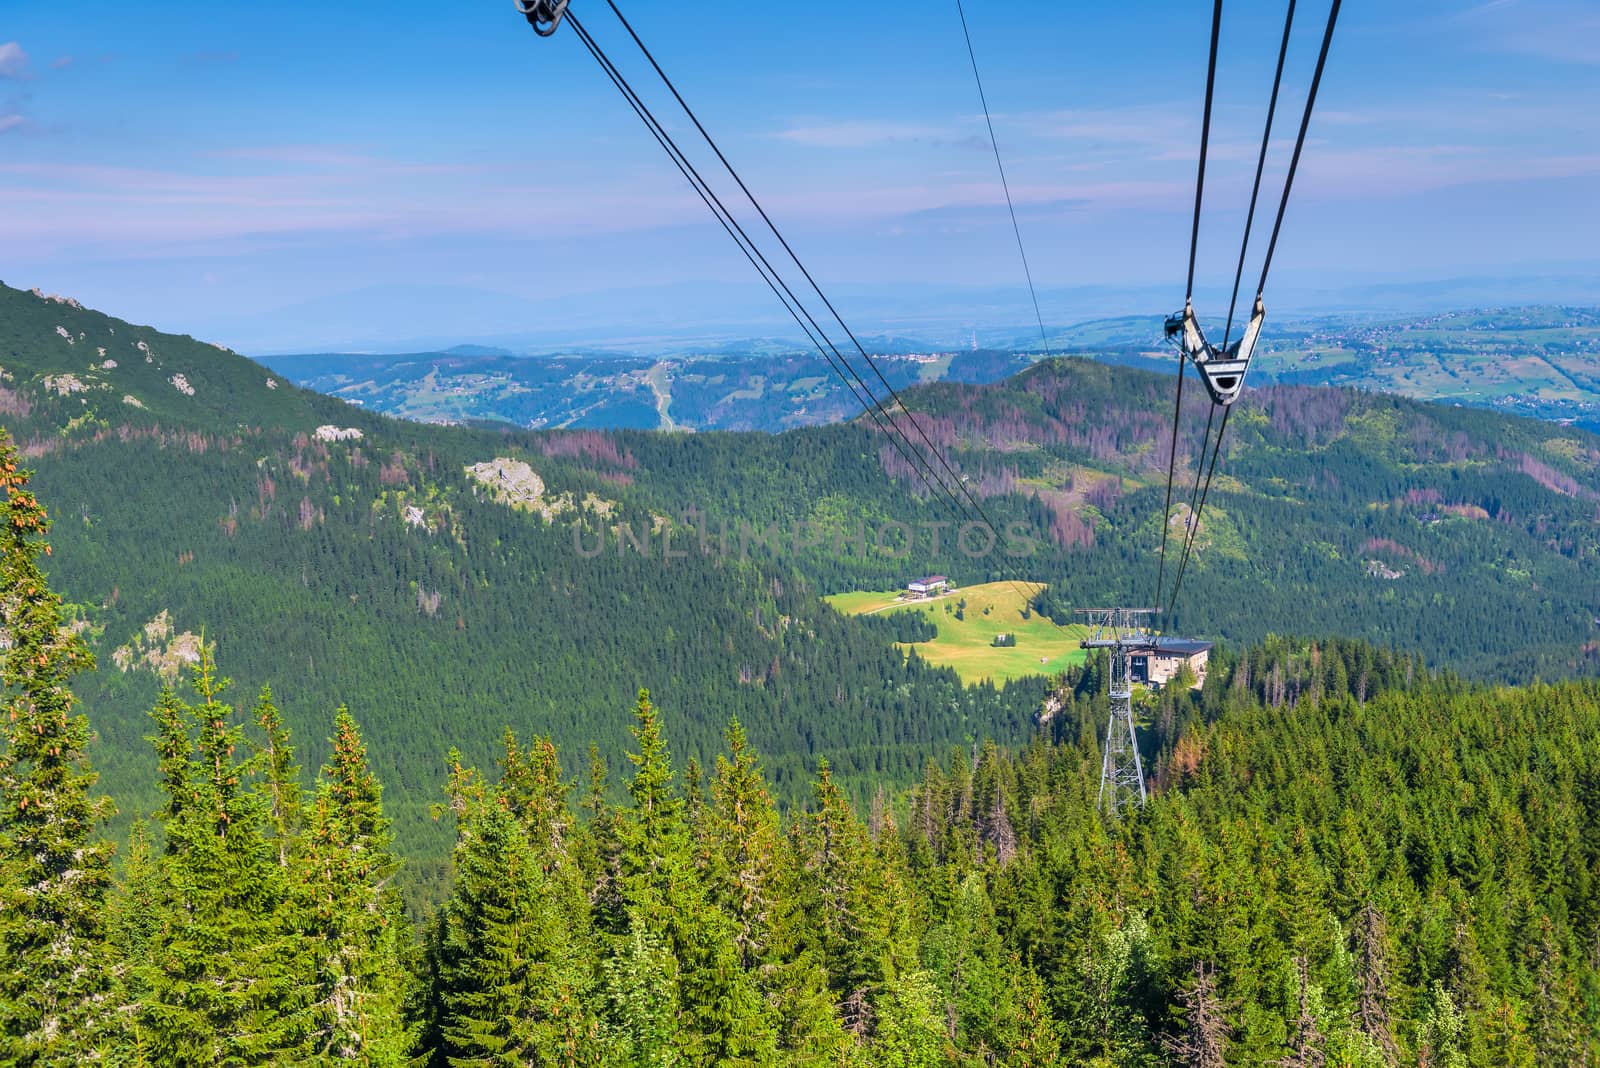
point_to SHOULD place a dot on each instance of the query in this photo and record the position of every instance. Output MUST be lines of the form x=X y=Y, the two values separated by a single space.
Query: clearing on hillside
x=967 y=644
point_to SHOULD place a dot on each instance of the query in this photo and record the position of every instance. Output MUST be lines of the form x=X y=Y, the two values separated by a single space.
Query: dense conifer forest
x=374 y=572
x=1347 y=860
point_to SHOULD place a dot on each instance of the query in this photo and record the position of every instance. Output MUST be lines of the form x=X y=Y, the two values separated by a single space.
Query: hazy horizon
x=229 y=176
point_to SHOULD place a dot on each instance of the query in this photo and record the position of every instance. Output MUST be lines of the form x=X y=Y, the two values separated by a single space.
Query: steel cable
x=1188 y=293
x=1004 y=185
x=752 y=252
x=957 y=479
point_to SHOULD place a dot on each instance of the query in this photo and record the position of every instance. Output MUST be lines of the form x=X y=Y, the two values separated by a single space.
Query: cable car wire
x=956 y=479
x=1004 y=185
x=910 y=416
x=1205 y=137
x=1299 y=143
x=1194 y=245
x=716 y=209
x=753 y=252
x=863 y=394
x=1244 y=245
x=1261 y=163
x=1194 y=532
x=1172 y=460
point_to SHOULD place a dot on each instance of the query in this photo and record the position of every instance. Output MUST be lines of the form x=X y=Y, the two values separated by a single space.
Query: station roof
x=1180 y=646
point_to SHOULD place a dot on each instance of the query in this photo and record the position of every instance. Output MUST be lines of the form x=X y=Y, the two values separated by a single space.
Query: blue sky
x=238 y=170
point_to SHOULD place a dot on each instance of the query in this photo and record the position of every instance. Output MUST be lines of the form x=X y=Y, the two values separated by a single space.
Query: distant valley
x=1539 y=361
x=748 y=387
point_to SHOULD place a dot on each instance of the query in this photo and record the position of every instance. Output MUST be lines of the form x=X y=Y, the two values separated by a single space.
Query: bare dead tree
x=855 y=1012
x=1372 y=967
x=999 y=832
x=1203 y=1042
x=1306 y=1038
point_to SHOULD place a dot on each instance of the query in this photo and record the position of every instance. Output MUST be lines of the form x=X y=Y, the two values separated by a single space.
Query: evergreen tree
x=223 y=973
x=752 y=875
x=653 y=835
x=742 y=836
x=512 y=986
x=642 y=999
x=354 y=923
x=1035 y=1038
x=55 y=990
x=846 y=903
x=910 y=1028
x=1306 y=1040
x=135 y=909
x=174 y=750
x=280 y=779
x=532 y=787
x=1372 y=956
x=1441 y=1036
x=136 y=924
x=1554 y=1029
x=722 y=1018
x=967 y=955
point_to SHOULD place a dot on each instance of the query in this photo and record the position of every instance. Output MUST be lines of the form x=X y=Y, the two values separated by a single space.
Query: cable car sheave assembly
x=1222 y=368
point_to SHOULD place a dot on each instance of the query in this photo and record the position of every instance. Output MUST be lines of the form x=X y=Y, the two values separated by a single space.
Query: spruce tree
x=722 y=1017
x=280 y=777
x=533 y=789
x=55 y=989
x=742 y=833
x=653 y=835
x=752 y=875
x=513 y=987
x=224 y=976
x=1035 y=1040
x=1372 y=972
x=1203 y=1041
x=353 y=918
x=847 y=903
x=910 y=1025
x=137 y=919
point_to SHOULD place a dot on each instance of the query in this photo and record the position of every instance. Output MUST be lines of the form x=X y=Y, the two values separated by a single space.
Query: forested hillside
x=1467 y=537
x=345 y=557
x=372 y=570
x=1346 y=861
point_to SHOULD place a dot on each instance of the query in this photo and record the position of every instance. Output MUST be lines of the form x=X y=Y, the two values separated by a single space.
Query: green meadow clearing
x=967 y=644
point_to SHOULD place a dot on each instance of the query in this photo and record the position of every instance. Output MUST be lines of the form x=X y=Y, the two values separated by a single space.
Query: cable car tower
x=1123 y=631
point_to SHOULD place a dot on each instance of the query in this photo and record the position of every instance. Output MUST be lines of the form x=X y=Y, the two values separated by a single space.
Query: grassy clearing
x=967 y=644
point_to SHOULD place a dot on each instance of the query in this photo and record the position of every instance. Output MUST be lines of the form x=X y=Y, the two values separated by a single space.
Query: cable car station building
x=1161 y=662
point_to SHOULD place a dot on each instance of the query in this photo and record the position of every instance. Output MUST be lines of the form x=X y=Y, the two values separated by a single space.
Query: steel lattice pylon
x=1122 y=631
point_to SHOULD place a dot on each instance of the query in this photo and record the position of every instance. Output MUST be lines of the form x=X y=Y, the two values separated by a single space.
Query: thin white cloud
x=860 y=133
x=1397 y=170
x=314 y=155
x=12 y=121
x=13 y=61
x=1561 y=31
x=1135 y=124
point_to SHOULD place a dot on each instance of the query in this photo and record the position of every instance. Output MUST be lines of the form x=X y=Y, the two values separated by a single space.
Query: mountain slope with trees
x=373 y=570
x=1400 y=872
